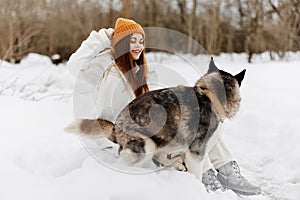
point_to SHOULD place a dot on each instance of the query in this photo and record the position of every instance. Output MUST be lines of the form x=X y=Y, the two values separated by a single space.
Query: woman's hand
x=109 y=32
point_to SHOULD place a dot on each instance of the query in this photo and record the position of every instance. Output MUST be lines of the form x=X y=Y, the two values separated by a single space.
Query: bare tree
x=59 y=26
x=20 y=20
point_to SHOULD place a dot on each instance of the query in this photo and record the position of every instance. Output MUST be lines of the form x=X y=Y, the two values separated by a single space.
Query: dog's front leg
x=194 y=164
x=150 y=149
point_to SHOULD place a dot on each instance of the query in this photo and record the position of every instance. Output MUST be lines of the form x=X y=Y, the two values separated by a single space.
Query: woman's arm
x=89 y=49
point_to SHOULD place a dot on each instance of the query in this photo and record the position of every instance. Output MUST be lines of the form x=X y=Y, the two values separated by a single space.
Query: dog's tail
x=93 y=128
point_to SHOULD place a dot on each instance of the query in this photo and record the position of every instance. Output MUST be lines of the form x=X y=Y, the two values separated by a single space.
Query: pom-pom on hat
x=125 y=27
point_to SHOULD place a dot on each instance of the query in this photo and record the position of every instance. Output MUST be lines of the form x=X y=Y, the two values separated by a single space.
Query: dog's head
x=225 y=87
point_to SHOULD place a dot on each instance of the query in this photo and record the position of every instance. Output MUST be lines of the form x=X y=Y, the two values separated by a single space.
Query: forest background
x=52 y=27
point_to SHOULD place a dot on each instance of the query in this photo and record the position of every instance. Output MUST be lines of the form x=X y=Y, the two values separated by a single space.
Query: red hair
x=137 y=81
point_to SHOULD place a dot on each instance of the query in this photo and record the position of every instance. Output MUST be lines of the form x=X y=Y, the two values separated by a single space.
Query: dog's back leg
x=194 y=164
x=150 y=149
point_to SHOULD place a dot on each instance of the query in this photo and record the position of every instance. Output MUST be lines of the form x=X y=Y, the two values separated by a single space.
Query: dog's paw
x=179 y=166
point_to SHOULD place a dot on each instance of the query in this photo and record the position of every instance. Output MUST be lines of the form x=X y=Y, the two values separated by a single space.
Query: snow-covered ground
x=38 y=160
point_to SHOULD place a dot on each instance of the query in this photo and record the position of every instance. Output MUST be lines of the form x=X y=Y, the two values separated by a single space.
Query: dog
x=171 y=126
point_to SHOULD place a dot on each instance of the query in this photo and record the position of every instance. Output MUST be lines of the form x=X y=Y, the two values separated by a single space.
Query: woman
x=114 y=61
x=115 y=64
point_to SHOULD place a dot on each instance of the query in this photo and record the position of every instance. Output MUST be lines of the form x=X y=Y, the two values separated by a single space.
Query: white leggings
x=218 y=156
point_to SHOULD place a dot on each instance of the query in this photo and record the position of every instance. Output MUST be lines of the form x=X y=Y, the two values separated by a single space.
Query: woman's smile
x=136 y=45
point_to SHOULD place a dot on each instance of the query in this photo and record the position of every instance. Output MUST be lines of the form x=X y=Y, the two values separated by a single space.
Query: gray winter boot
x=211 y=181
x=230 y=177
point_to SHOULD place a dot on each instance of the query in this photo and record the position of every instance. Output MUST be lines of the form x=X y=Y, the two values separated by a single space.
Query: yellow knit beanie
x=125 y=27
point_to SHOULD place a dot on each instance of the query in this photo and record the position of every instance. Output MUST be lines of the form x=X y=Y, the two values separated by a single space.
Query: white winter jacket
x=94 y=64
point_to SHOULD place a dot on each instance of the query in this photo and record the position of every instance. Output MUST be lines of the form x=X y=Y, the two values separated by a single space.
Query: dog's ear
x=240 y=76
x=212 y=67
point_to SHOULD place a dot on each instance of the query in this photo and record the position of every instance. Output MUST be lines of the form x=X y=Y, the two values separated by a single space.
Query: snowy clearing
x=40 y=161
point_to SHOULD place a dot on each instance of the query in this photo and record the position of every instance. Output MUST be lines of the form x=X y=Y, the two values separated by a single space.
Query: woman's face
x=136 y=45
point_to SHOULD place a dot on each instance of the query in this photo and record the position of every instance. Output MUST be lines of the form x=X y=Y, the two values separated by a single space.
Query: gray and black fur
x=175 y=121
